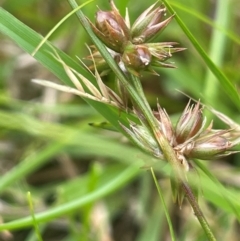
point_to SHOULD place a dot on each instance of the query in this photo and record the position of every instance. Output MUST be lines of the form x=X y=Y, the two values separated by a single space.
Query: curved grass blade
x=27 y=39
x=230 y=34
x=164 y=206
x=222 y=190
x=116 y=183
x=224 y=81
x=58 y=25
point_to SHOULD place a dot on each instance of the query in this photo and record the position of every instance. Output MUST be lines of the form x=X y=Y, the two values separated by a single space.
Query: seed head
x=190 y=123
x=210 y=146
x=111 y=28
x=189 y=138
x=132 y=44
x=136 y=58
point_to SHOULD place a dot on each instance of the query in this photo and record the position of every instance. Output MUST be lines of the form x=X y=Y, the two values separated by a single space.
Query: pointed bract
x=151 y=32
x=190 y=123
x=148 y=24
x=140 y=135
x=131 y=43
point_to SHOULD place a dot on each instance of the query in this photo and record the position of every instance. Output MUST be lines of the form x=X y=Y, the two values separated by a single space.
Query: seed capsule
x=136 y=58
x=208 y=148
x=111 y=28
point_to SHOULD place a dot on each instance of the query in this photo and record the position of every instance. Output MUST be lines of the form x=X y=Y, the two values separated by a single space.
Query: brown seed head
x=111 y=28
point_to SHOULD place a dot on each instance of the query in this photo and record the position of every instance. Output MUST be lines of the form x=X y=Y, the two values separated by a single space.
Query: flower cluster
x=189 y=138
x=130 y=45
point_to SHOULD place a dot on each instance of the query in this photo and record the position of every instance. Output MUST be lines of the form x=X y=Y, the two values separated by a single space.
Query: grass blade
x=164 y=206
x=124 y=177
x=27 y=39
x=224 y=81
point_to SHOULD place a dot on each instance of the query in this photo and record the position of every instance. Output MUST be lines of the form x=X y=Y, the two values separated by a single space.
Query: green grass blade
x=35 y=224
x=117 y=182
x=28 y=165
x=224 y=81
x=58 y=137
x=224 y=197
x=217 y=51
x=27 y=39
x=164 y=206
x=230 y=34
x=58 y=25
x=155 y=227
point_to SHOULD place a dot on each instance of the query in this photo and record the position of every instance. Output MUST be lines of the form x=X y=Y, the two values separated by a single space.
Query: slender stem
x=30 y=203
x=180 y=175
x=138 y=88
x=199 y=214
x=164 y=205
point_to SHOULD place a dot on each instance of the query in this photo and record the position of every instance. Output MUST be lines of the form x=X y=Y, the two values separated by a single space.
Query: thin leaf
x=231 y=35
x=224 y=81
x=58 y=25
x=223 y=191
x=35 y=224
x=117 y=182
x=164 y=206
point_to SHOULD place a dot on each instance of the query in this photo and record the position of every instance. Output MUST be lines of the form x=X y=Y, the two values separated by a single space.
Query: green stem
x=170 y=156
x=30 y=203
x=164 y=205
x=138 y=88
x=192 y=200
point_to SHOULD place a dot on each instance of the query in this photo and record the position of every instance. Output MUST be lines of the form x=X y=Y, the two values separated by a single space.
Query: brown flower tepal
x=133 y=45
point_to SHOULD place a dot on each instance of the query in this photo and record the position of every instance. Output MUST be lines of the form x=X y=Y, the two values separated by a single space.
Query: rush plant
x=127 y=52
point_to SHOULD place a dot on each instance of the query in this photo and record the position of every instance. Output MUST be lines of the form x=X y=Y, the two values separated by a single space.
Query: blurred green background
x=48 y=148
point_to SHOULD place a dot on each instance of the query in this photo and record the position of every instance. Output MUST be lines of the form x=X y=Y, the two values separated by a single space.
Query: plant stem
x=170 y=156
x=35 y=224
x=138 y=88
x=164 y=205
x=192 y=200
